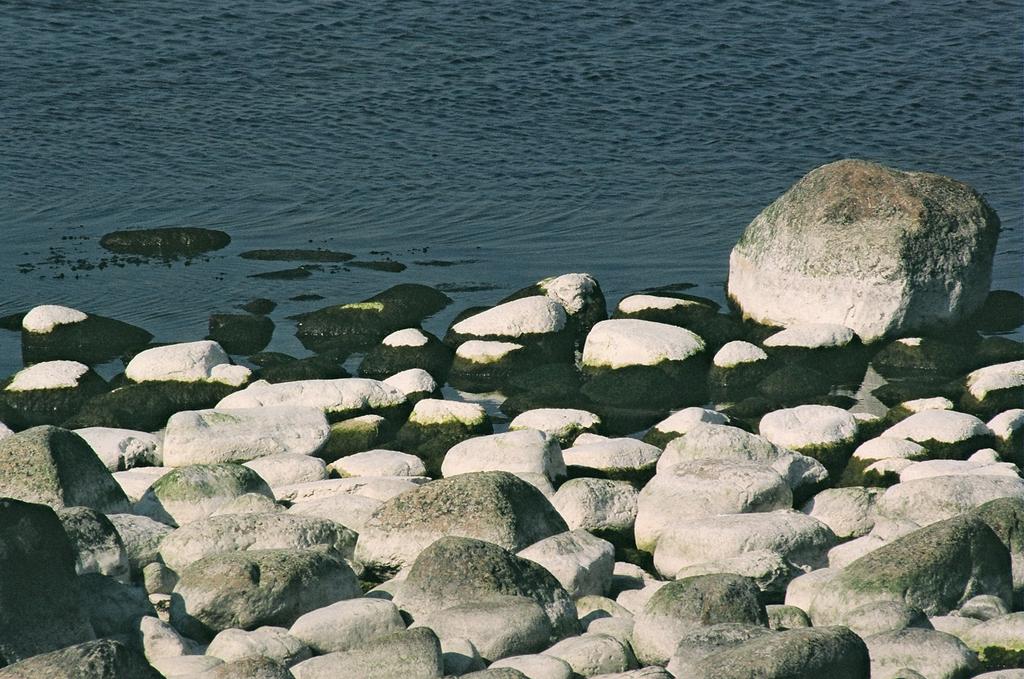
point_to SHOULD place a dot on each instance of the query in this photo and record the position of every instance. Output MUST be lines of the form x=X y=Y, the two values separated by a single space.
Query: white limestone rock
x=412 y=382
x=929 y=652
x=526 y=451
x=379 y=463
x=536 y=666
x=636 y=303
x=562 y=424
x=407 y=337
x=927 y=500
x=852 y=243
x=688 y=491
x=1006 y=423
x=942 y=426
x=432 y=411
x=592 y=654
x=48 y=375
x=625 y=342
x=44 y=318
x=336 y=398
x=350 y=510
x=848 y=512
x=809 y=426
x=122 y=449
x=811 y=336
x=769 y=570
x=582 y=563
x=275 y=643
x=918 y=405
x=574 y=291
x=984 y=381
x=288 y=469
x=931 y=468
x=681 y=422
x=486 y=351
x=135 y=482
x=800 y=539
x=184 y=362
x=241 y=435
x=380 y=488
x=615 y=458
x=887 y=447
x=738 y=352
x=346 y=624
x=519 y=318
x=597 y=504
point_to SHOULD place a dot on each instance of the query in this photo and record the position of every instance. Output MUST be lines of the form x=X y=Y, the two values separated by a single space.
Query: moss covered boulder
x=57 y=467
x=436 y=425
x=946 y=434
x=539 y=324
x=936 y=569
x=51 y=332
x=826 y=433
x=251 y=589
x=195 y=492
x=878 y=250
x=497 y=507
x=100 y=659
x=994 y=388
x=578 y=293
x=562 y=424
x=147 y=406
x=355 y=435
x=404 y=349
x=174 y=241
x=48 y=393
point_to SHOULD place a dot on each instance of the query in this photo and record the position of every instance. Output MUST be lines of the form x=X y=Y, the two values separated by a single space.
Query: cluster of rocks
x=671 y=491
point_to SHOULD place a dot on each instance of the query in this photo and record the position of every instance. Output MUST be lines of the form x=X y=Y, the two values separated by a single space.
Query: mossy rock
x=311 y=368
x=903 y=358
x=430 y=442
x=148 y=405
x=910 y=389
x=383 y=361
x=1002 y=311
x=593 y=309
x=356 y=435
x=855 y=473
x=792 y=385
x=189 y=493
x=269 y=359
x=261 y=306
x=362 y=324
x=166 y=242
x=622 y=421
x=94 y=340
x=682 y=315
x=241 y=333
x=30 y=408
x=665 y=386
x=994 y=350
x=99 y=659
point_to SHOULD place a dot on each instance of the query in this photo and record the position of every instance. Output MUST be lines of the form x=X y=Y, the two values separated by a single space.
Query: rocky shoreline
x=670 y=489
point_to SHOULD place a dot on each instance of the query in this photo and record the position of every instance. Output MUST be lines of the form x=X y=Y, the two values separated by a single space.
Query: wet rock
x=792 y=385
x=39 y=592
x=435 y=426
x=347 y=624
x=95 y=542
x=701 y=488
x=528 y=453
x=1003 y=310
x=562 y=424
x=494 y=506
x=296 y=370
x=911 y=356
x=195 y=492
x=994 y=350
x=737 y=368
x=483 y=365
x=881 y=251
x=241 y=333
x=798 y=538
x=457 y=570
x=404 y=349
x=684 y=605
x=362 y=324
x=497 y=626
x=935 y=569
x=680 y=423
x=826 y=433
x=101 y=659
x=56 y=467
x=241 y=435
x=355 y=435
x=928 y=652
x=880 y=449
x=247 y=532
x=293 y=274
x=993 y=389
x=578 y=293
x=647 y=351
x=175 y=241
x=830 y=348
x=582 y=563
x=412 y=654
x=51 y=332
x=254 y=588
x=617 y=459
x=48 y=393
x=261 y=306
x=274 y=643
x=338 y=399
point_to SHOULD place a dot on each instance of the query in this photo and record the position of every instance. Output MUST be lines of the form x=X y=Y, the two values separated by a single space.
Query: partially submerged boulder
x=48 y=393
x=880 y=251
x=172 y=241
x=436 y=425
x=51 y=332
x=100 y=659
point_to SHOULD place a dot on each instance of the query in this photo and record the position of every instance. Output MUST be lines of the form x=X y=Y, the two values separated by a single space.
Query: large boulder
x=197 y=491
x=51 y=332
x=456 y=570
x=56 y=467
x=880 y=251
x=100 y=659
x=255 y=588
x=410 y=654
x=339 y=399
x=936 y=569
x=38 y=588
x=48 y=393
x=494 y=506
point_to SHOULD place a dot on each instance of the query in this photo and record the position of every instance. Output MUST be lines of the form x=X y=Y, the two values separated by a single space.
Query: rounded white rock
x=484 y=351
x=886 y=447
x=624 y=342
x=808 y=425
x=407 y=337
x=683 y=421
x=812 y=336
x=636 y=303
x=555 y=422
x=337 y=395
x=526 y=451
x=48 y=375
x=738 y=352
x=1006 y=423
x=571 y=290
x=379 y=463
x=184 y=362
x=919 y=405
x=995 y=377
x=413 y=381
x=44 y=318
x=945 y=426
x=439 y=411
x=526 y=316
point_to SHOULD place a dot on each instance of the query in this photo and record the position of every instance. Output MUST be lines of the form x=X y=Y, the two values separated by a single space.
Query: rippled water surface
x=509 y=140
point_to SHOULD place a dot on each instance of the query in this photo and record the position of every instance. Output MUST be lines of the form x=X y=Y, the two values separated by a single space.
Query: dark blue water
x=633 y=140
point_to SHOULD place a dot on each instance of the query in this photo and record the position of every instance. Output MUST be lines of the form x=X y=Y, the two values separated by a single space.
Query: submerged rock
x=241 y=333
x=172 y=241
x=880 y=251
x=100 y=659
